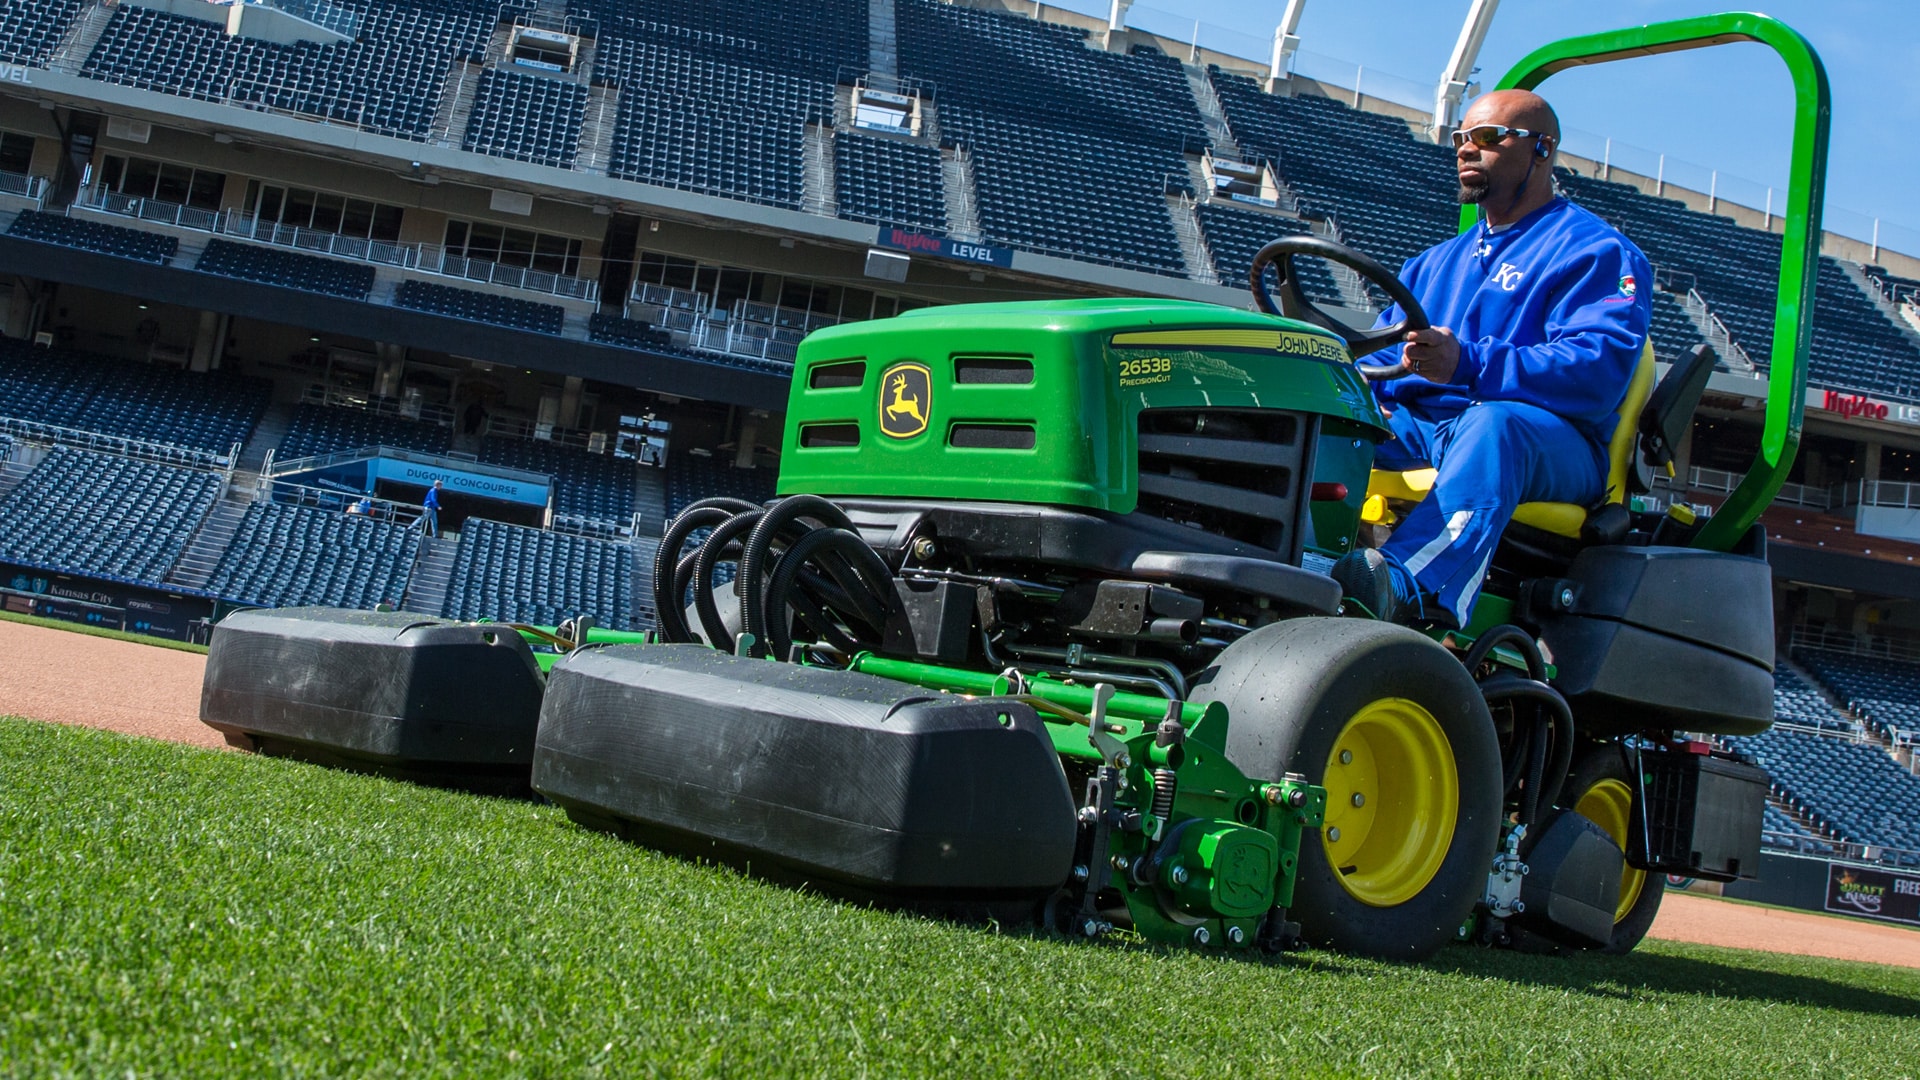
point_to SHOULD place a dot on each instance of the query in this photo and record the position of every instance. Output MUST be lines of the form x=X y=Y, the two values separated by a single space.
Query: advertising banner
x=106 y=604
x=484 y=487
x=1873 y=893
x=919 y=243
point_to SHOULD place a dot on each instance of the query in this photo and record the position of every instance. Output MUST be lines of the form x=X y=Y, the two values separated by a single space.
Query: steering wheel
x=1295 y=305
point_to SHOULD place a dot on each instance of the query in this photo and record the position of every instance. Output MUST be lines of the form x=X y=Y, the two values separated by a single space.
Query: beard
x=1474 y=193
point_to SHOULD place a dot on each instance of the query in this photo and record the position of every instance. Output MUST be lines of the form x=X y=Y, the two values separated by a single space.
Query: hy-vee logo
x=906 y=399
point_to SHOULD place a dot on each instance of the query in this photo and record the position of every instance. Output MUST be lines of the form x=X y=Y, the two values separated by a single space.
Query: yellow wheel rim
x=1393 y=797
x=1608 y=804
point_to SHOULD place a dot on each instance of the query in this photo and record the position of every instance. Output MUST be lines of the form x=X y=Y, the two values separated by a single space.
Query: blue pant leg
x=1491 y=458
x=1412 y=444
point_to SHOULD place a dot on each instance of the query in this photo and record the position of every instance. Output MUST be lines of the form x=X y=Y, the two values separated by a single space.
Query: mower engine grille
x=1239 y=473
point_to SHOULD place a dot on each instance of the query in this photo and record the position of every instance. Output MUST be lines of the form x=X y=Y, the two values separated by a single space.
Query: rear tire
x=1383 y=715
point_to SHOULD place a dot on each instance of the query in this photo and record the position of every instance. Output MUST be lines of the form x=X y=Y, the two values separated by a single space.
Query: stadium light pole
x=1285 y=42
x=1453 y=81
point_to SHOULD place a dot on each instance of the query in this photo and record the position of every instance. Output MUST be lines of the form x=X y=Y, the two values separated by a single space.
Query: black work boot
x=1378 y=583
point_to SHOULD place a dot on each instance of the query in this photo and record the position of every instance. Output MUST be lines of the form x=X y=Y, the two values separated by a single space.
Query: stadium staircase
x=1714 y=332
x=957 y=183
x=1193 y=242
x=81 y=37
x=816 y=177
x=1213 y=115
x=210 y=542
x=266 y=437
x=883 y=38
x=12 y=471
x=650 y=500
x=432 y=572
x=644 y=551
x=456 y=102
x=596 y=130
x=1881 y=302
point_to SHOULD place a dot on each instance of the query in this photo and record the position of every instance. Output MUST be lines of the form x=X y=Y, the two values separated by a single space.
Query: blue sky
x=1724 y=108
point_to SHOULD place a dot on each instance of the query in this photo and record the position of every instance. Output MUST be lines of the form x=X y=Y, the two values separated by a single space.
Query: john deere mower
x=1040 y=626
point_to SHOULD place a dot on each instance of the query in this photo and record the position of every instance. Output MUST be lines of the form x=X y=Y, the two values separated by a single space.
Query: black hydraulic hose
x=863 y=572
x=1536 y=768
x=669 y=601
x=1504 y=687
x=753 y=560
x=712 y=550
x=1507 y=634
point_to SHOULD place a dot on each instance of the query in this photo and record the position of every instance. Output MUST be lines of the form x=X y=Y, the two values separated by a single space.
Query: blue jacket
x=1552 y=312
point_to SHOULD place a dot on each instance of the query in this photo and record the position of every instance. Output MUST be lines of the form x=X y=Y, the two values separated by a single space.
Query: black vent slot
x=829 y=436
x=837 y=376
x=993 y=370
x=1238 y=473
x=991 y=437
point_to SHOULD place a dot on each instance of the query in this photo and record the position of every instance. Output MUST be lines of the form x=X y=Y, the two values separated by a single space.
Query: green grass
x=99 y=631
x=166 y=911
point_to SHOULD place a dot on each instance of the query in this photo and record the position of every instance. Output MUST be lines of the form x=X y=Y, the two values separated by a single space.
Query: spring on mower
x=800 y=556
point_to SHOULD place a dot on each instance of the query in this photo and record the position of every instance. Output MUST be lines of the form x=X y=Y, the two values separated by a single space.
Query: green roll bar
x=1800 y=237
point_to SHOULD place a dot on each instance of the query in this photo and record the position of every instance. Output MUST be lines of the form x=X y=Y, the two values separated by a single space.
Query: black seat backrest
x=1669 y=409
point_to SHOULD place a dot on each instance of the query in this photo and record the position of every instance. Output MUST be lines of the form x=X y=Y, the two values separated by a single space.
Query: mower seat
x=1570 y=520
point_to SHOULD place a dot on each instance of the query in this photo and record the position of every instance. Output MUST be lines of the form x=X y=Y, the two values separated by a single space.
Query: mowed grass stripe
x=166 y=911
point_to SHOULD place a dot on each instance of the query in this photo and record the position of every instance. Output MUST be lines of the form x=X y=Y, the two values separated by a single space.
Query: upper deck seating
x=30 y=31
x=888 y=182
x=517 y=574
x=104 y=515
x=89 y=235
x=629 y=333
x=1235 y=236
x=389 y=78
x=284 y=555
x=318 y=430
x=692 y=477
x=526 y=118
x=1779 y=831
x=70 y=389
x=1886 y=693
x=482 y=307
x=1797 y=702
x=289 y=269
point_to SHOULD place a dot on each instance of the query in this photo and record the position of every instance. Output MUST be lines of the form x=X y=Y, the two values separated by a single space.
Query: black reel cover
x=1573 y=882
x=388 y=692
x=859 y=785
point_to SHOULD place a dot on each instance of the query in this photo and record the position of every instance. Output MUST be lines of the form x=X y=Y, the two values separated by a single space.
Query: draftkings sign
x=1874 y=894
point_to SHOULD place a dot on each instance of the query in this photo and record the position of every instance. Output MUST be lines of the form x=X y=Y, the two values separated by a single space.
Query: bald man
x=1539 y=314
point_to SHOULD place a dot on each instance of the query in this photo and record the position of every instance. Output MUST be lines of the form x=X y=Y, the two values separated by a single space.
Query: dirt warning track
x=141 y=690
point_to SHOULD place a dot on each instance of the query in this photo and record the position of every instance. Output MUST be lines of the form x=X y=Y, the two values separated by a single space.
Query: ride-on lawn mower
x=1041 y=625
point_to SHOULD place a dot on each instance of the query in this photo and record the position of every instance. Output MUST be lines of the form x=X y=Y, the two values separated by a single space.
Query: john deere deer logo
x=906 y=396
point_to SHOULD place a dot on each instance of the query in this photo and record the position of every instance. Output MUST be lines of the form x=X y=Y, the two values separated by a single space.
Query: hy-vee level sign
x=943 y=247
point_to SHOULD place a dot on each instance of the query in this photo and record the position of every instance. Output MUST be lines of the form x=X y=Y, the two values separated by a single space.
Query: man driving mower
x=1539 y=318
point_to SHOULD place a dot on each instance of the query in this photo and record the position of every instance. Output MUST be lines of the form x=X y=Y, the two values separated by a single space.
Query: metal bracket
x=1112 y=750
x=1503 y=884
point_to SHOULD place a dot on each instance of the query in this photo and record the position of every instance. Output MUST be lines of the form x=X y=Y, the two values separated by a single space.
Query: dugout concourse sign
x=1873 y=894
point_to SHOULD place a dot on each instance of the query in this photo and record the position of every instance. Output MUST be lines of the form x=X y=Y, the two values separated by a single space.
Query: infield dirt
x=139 y=690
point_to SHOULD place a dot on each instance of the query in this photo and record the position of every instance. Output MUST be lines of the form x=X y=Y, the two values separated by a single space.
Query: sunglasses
x=1489 y=135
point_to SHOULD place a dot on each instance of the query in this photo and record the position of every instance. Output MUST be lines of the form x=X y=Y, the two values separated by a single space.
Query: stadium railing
x=26 y=187
x=515 y=427
x=326 y=498
x=337 y=397
x=595 y=528
x=320 y=461
x=1810 y=636
x=1718 y=335
x=161 y=453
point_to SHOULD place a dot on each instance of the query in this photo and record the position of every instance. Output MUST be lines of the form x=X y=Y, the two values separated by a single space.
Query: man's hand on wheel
x=1432 y=354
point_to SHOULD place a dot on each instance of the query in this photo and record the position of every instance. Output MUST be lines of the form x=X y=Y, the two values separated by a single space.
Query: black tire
x=1292 y=689
x=1600 y=778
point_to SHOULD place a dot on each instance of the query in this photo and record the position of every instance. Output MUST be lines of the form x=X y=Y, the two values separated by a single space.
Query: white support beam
x=1286 y=40
x=1455 y=80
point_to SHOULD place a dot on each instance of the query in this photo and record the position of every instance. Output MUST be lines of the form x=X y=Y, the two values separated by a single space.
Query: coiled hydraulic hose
x=752 y=583
x=669 y=588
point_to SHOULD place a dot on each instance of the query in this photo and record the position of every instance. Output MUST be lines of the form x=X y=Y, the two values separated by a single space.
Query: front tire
x=1600 y=788
x=1395 y=729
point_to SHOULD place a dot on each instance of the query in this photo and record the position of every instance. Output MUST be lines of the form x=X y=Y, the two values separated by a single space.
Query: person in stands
x=429 y=519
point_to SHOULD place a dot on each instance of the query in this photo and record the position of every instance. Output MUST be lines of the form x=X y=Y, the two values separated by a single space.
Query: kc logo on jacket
x=1508 y=276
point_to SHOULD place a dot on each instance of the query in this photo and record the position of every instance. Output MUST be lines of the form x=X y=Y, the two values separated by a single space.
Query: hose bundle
x=799 y=560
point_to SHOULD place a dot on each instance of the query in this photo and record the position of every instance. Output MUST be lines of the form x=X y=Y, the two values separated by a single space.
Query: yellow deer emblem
x=903 y=412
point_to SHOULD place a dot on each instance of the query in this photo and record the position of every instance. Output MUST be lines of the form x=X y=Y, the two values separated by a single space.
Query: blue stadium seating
x=515 y=574
x=1393 y=195
x=595 y=486
x=29 y=32
x=1234 y=236
x=692 y=477
x=816 y=40
x=289 y=269
x=527 y=118
x=611 y=329
x=1885 y=693
x=1780 y=832
x=1856 y=789
x=318 y=430
x=283 y=555
x=1735 y=269
x=1795 y=701
x=389 y=78
x=1673 y=332
x=94 y=236
x=888 y=182
x=69 y=389
x=104 y=515
x=481 y=307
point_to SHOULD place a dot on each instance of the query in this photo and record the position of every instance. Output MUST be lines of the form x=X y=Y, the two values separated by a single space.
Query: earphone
x=1542 y=148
